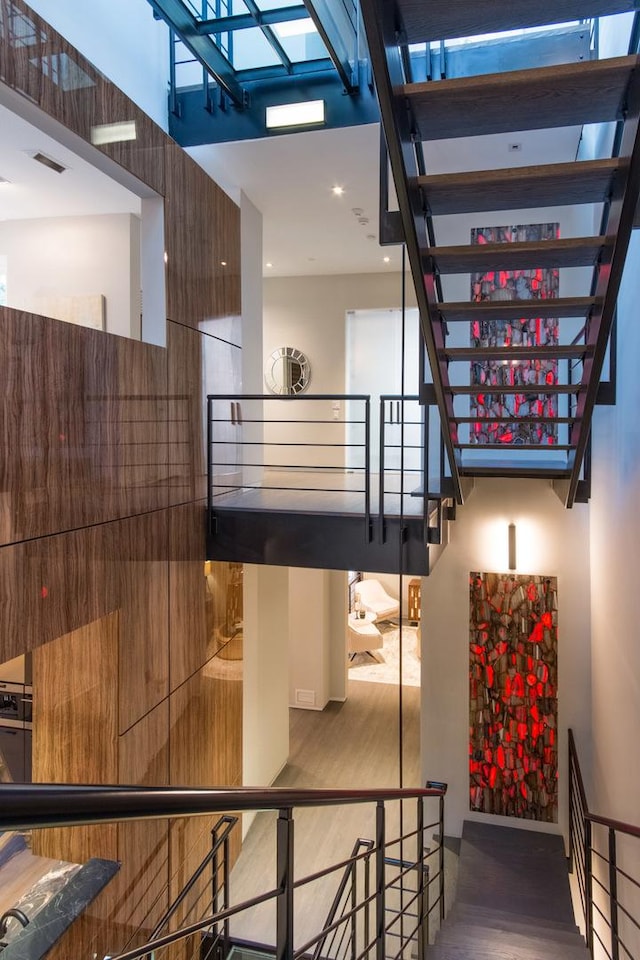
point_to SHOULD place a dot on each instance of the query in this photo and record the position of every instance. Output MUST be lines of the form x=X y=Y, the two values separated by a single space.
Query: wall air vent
x=49 y=162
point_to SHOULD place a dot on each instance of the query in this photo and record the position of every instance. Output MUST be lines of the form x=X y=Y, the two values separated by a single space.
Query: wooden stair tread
x=502 y=918
x=452 y=933
x=443 y=19
x=547 y=185
x=467 y=310
x=564 y=95
x=539 y=389
x=538 y=254
x=499 y=950
x=569 y=352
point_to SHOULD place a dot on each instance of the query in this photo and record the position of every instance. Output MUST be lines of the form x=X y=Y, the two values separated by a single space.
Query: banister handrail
x=48 y=805
x=619 y=825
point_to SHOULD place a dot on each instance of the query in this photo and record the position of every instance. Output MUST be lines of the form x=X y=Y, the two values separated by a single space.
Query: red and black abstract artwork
x=513 y=695
x=531 y=375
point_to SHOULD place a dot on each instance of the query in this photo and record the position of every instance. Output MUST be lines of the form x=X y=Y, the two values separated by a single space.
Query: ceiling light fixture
x=306 y=114
x=386 y=259
x=113 y=132
x=48 y=162
x=269 y=264
x=223 y=263
x=337 y=191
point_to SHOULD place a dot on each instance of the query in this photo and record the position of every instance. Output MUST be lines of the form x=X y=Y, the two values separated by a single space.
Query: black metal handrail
x=45 y=805
x=594 y=851
x=336 y=916
x=224 y=485
x=54 y=804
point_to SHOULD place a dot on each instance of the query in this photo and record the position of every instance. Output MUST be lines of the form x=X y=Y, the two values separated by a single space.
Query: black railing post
x=367 y=468
x=284 y=871
x=423 y=914
x=354 y=904
x=226 y=891
x=367 y=910
x=215 y=903
x=613 y=895
x=380 y=881
x=382 y=531
x=425 y=471
x=588 y=882
x=441 y=856
x=209 y=460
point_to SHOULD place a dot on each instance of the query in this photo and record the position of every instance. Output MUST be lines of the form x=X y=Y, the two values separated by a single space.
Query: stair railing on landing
x=603 y=854
x=28 y=807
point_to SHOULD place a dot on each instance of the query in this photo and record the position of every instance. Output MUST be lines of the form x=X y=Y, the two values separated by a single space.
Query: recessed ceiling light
x=223 y=263
x=337 y=191
x=269 y=264
x=304 y=114
x=48 y=162
x=386 y=259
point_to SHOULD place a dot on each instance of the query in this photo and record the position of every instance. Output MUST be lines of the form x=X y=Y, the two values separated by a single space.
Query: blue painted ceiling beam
x=183 y=22
x=327 y=14
x=245 y=21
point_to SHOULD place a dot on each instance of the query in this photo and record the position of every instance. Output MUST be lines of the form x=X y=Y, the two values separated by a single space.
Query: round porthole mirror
x=288 y=372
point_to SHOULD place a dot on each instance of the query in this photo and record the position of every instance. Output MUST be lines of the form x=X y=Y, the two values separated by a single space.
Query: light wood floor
x=351 y=745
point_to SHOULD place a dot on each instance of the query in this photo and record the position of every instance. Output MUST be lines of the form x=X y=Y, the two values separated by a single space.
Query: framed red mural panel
x=531 y=375
x=513 y=695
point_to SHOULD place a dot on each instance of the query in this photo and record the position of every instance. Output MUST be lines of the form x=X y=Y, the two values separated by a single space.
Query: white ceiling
x=309 y=231
x=35 y=191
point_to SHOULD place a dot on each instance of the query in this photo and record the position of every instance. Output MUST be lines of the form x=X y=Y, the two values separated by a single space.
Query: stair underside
x=566 y=95
x=463 y=18
x=587 y=181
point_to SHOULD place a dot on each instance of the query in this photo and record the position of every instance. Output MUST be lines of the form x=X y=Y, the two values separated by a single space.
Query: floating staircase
x=513 y=899
x=465 y=110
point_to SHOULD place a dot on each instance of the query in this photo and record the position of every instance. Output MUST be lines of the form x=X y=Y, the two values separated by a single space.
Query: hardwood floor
x=351 y=744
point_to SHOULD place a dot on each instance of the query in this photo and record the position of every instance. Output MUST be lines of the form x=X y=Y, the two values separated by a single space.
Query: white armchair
x=375 y=598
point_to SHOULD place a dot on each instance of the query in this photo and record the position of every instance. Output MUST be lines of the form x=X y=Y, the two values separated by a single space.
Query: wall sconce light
x=512 y=546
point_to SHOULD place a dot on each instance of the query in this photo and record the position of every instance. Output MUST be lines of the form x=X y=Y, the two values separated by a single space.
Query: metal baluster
x=423 y=915
x=284 y=871
x=613 y=895
x=367 y=469
x=588 y=875
x=380 y=884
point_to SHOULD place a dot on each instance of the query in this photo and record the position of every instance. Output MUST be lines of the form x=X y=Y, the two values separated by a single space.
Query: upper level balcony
x=327 y=480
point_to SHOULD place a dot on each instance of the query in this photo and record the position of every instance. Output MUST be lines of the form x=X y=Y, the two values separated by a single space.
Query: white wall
x=309 y=638
x=550 y=541
x=122 y=39
x=615 y=560
x=266 y=674
x=75 y=256
x=309 y=313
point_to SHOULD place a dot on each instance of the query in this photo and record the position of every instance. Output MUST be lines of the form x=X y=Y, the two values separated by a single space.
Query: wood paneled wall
x=102 y=517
